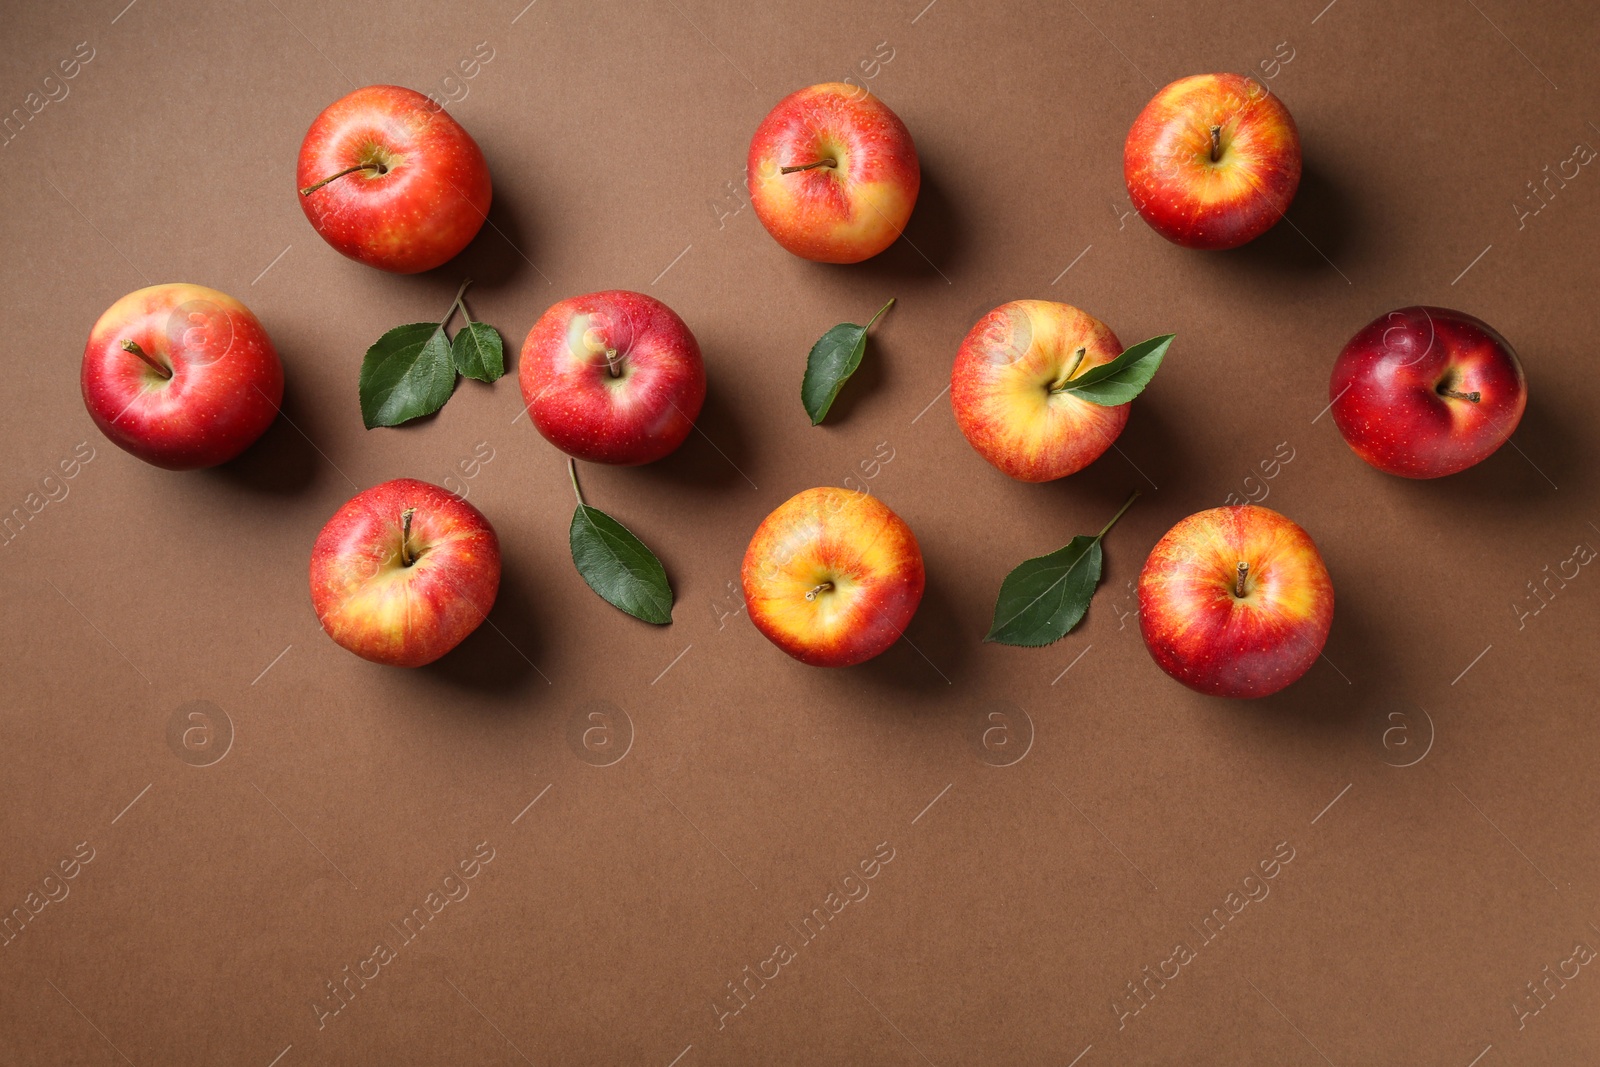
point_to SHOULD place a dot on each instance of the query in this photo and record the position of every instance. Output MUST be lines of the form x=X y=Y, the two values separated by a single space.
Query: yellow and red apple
x=832 y=577
x=1424 y=391
x=181 y=376
x=403 y=572
x=1007 y=389
x=833 y=173
x=1235 y=602
x=388 y=178
x=1212 y=161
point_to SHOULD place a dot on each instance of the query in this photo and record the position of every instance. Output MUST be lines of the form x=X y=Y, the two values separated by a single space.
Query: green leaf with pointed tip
x=619 y=567
x=1113 y=384
x=832 y=360
x=1044 y=597
x=478 y=352
x=407 y=373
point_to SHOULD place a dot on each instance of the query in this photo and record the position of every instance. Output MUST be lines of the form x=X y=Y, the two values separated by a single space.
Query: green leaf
x=1044 y=597
x=1115 y=383
x=407 y=373
x=478 y=352
x=832 y=360
x=619 y=567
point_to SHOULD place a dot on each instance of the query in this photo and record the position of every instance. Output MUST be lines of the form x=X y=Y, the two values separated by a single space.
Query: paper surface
x=670 y=829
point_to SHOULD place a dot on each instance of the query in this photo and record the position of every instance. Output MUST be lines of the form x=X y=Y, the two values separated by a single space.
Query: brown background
x=618 y=907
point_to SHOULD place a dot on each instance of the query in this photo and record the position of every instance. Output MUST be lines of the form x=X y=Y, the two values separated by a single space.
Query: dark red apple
x=1424 y=391
x=388 y=178
x=181 y=376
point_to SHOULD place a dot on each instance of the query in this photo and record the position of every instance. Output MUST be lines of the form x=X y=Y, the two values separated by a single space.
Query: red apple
x=1006 y=389
x=181 y=376
x=1212 y=161
x=612 y=377
x=1235 y=602
x=403 y=572
x=388 y=178
x=833 y=174
x=1423 y=392
x=832 y=577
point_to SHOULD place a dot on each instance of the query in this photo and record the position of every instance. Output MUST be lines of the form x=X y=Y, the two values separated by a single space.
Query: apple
x=833 y=174
x=832 y=577
x=1423 y=392
x=612 y=377
x=181 y=376
x=1006 y=389
x=403 y=572
x=1212 y=161
x=1235 y=602
x=388 y=178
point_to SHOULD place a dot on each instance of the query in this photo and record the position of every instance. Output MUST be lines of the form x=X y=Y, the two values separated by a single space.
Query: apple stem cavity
x=165 y=372
x=810 y=166
x=823 y=588
x=1060 y=384
x=1238 y=582
x=379 y=167
x=406 y=558
x=1473 y=396
x=1216 y=143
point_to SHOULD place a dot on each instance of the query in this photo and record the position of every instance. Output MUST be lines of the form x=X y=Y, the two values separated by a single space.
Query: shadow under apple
x=715 y=455
x=1320 y=226
x=498 y=657
x=501 y=255
x=931 y=245
x=927 y=658
x=283 y=461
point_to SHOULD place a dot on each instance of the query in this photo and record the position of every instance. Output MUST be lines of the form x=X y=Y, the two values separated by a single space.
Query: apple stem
x=612 y=364
x=379 y=167
x=133 y=346
x=1120 y=511
x=572 y=472
x=1238 y=582
x=809 y=166
x=1216 y=143
x=406 y=558
x=1473 y=396
x=823 y=588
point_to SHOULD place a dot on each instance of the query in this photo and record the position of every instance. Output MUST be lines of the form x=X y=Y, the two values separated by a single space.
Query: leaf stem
x=456 y=303
x=133 y=346
x=1120 y=511
x=379 y=167
x=572 y=472
x=830 y=162
x=879 y=315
